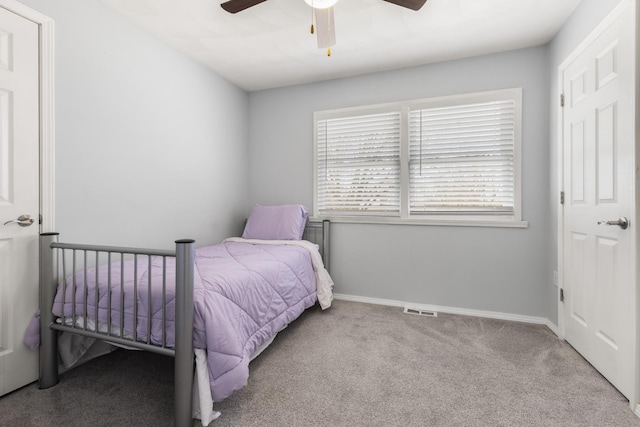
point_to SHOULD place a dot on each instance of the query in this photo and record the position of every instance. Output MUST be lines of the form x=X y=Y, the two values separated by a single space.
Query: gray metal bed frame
x=52 y=253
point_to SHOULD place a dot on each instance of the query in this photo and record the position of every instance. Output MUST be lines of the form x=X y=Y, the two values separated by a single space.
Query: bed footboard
x=52 y=255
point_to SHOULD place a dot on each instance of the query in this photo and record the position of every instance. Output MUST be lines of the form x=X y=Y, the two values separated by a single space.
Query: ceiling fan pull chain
x=312 y=15
x=329 y=30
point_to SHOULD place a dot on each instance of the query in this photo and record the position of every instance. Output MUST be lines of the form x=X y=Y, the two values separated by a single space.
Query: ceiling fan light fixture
x=321 y=4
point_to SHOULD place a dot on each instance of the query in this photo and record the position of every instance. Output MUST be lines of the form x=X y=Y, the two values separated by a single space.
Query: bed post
x=325 y=243
x=183 y=376
x=48 y=337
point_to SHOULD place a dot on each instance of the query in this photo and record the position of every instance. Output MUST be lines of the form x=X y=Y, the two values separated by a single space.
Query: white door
x=19 y=197
x=598 y=168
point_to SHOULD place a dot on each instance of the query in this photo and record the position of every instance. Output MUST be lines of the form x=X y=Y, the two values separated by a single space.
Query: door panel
x=606 y=166
x=607 y=294
x=578 y=302
x=577 y=161
x=19 y=195
x=598 y=165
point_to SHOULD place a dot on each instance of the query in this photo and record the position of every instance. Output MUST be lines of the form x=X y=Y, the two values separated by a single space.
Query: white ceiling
x=270 y=45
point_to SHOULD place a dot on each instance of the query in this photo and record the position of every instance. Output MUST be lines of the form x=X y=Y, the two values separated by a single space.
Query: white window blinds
x=461 y=159
x=358 y=164
x=446 y=160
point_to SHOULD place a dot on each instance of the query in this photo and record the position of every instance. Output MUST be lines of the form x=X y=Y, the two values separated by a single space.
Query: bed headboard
x=318 y=232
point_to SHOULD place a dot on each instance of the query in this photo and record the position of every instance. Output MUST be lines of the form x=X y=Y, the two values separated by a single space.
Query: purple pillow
x=283 y=222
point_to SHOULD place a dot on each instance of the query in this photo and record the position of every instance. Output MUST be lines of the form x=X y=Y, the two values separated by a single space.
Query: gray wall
x=495 y=269
x=586 y=17
x=150 y=145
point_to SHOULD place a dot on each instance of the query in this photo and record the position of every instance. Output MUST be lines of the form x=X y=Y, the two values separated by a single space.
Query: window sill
x=450 y=222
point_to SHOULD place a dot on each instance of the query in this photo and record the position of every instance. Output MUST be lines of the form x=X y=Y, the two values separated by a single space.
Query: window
x=359 y=164
x=443 y=160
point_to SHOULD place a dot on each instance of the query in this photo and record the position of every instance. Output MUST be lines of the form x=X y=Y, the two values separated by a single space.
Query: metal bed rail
x=54 y=269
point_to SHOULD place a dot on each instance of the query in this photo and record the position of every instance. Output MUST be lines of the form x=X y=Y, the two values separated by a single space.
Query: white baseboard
x=452 y=310
x=553 y=327
x=637 y=411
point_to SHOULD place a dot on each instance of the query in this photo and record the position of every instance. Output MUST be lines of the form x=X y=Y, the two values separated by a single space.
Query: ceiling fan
x=323 y=13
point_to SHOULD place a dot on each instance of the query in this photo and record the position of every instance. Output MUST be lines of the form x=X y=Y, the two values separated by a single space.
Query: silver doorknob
x=622 y=223
x=23 y=221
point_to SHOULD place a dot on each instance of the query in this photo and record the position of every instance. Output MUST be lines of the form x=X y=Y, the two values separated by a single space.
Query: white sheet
x=202 y=400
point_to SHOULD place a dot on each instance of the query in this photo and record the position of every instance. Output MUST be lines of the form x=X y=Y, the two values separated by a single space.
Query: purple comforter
x=243 y=295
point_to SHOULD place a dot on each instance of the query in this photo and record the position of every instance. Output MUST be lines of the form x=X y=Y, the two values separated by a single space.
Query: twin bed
x=223 y=303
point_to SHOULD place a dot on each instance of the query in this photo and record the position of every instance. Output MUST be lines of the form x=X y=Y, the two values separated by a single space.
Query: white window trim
x=514 y=221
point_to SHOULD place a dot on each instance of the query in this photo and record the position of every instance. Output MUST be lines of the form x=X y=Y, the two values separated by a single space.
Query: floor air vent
x=420 y=312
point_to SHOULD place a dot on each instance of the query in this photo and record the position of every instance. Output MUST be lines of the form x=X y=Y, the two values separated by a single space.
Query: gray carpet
x=355 y=365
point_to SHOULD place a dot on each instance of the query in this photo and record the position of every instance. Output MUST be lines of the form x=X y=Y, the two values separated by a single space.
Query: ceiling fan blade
x=409 y=4
x=235 y=6
x=326 y=28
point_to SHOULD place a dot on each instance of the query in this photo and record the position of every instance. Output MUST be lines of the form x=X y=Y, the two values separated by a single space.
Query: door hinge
x=40 y=219
x=562 y=99
x=561 y=295
x=562 y=197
